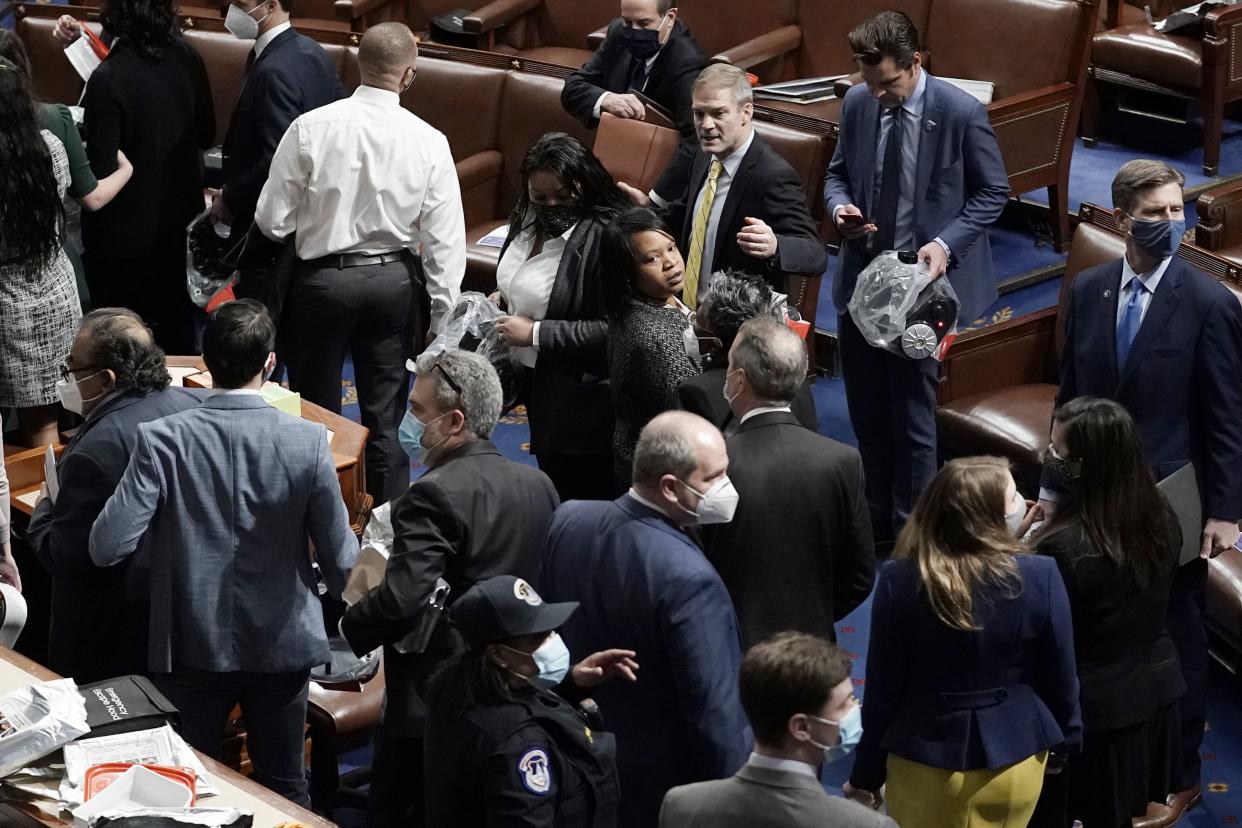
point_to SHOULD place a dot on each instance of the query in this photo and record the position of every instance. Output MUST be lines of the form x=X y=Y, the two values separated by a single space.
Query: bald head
x=679 y=457
x=387 y=56
x=771 y=360
x=115 y=351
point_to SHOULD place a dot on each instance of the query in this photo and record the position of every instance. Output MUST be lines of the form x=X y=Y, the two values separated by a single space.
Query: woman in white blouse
x=548 y=281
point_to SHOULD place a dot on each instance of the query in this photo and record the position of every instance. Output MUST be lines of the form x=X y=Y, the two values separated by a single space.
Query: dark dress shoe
x=1157 y=816
x=1183 y=801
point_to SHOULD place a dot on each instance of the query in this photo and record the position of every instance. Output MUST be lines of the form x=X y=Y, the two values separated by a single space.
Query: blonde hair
x=958 y=539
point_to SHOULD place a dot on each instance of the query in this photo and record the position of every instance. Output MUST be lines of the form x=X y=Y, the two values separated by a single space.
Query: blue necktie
x=1128 y=325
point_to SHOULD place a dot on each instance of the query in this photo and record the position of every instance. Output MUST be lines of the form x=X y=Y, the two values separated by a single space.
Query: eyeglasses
x=449 y=378
x=66 y=371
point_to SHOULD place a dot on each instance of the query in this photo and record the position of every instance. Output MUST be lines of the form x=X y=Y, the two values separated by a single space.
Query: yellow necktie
x=698 y=237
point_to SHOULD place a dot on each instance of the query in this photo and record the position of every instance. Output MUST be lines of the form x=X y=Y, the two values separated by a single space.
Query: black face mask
x=554 y=219
x=1060 y=474
x=642 y=43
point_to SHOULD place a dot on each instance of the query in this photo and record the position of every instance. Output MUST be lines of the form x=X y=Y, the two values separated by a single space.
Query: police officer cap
x=503 y=607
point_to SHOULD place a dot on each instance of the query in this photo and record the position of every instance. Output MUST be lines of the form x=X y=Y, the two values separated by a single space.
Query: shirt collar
x=764 y=409
x=267 y=37
x=234 y=392
x=787 y=765
x=373 y=94
x=913 y=105
x=734 y=159
x=1150 y=280
x=632 y=493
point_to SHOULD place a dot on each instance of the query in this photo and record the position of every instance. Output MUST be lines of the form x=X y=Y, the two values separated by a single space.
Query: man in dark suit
x=728 y=301
x=647 y=50
x=117 y=374
x=231 y=496
x=741 y=205
x=783 y=680
x=1165 y=341
x=916 y=167
x=473 y=515
x=643 y=583
x=798 y=553
x=287 y=74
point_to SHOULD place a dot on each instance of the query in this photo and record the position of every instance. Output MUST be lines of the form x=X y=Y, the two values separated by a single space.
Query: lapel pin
x=1107 y=294
x=929 y=125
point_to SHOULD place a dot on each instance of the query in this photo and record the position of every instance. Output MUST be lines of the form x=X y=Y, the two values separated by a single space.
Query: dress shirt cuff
x=1050 y=495
x=655 y=199
x=598 y=110
x=534 y=336
x=836 y=210
x=947 y=252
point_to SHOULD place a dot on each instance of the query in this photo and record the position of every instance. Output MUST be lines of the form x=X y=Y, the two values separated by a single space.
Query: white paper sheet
x=49 y=474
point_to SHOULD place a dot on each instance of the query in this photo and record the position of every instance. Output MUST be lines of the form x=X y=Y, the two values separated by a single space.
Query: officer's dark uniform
x=532 y=763
x=532 y=760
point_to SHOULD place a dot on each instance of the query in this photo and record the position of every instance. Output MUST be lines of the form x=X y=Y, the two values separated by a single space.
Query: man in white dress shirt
x=798 y=695
x=364 y=185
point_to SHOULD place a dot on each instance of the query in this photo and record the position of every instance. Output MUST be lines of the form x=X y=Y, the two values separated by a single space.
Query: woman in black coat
x=548 y=281
x=1116 y=542
x=150 y=99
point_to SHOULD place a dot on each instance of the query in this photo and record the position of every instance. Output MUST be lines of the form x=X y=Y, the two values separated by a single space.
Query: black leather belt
x=343 y=260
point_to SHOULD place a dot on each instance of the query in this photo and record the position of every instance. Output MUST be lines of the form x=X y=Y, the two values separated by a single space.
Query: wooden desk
x=236 y=791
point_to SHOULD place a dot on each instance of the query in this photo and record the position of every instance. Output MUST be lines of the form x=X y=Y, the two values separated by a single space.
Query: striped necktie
x=698 y=237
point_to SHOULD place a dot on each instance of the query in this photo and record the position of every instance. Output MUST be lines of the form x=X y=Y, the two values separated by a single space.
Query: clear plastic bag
x=898 y=307
x=471 y=326
x=210 y=261
x=36 y=720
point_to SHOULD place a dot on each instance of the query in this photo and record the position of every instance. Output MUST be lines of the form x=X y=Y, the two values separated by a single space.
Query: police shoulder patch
x=535 y=771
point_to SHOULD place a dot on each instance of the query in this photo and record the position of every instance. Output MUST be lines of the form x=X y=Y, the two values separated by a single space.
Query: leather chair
x=1219 y=227
x=553 y=31
x=341 y=719
x=1191 y=65
x=999 y=384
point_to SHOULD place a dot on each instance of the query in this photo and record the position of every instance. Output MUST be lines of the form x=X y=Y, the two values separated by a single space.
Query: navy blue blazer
x=89 y=470
x=968 y=700
x=1182 y=383
x=644 y=585
x=292 y=76
x=961 y=187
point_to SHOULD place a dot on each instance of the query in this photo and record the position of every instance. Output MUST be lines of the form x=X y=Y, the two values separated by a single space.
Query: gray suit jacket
x=229 y=493
x=764 y=798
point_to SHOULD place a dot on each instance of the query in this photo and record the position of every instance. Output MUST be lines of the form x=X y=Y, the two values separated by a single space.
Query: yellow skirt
x=920 y=796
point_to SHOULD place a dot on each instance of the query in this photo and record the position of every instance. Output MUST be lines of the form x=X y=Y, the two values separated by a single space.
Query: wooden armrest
x=1218 y=211
x=1219 y=23
x=480 y=167
x=762 y=48
x=596 y=38
x=1018 y=352
x=355 y=9
x=496 y=14
x=1034 y=99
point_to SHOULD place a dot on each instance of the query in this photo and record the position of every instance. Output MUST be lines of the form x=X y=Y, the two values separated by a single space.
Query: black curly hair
x=122 y=343
x=146 y=26
x=569 y=160
x=31 y=213
x=619 y=259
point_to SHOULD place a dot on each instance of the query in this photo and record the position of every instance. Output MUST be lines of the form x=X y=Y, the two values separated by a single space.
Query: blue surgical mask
x=410 y=435
x=551 y=659
x=1158 y=238
x=849 y=729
